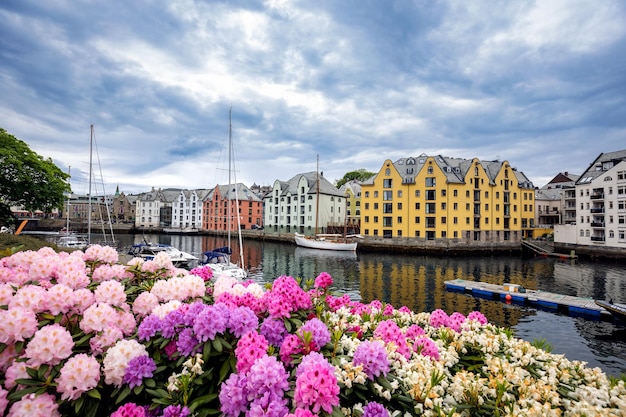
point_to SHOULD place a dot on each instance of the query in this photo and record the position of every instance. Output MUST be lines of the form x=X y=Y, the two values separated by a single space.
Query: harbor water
x=418 y=283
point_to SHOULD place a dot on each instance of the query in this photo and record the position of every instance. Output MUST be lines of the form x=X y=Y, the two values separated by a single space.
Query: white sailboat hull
x=322 y=243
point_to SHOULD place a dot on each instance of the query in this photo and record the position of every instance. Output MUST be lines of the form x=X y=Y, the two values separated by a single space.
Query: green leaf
x=41 y=372
x=78 y=405
x=201 y=401
x=16 y=396
x=125 y=392
x=94 y=393
x=31 y=372
x=224 y=371
x=160 y=392
x=137 y=390
x=149 y=383
x=206 y=352
x=29 y=382
x=217 y=344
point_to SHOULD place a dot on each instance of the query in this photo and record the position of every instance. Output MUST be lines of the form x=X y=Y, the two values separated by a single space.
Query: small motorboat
x=72 y=241
x=617 y=310
x=219 y=262
x=147 y=251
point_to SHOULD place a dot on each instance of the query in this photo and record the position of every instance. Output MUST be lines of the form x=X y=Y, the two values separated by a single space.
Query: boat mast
x=230 y=186
x=67 y=221
x=90 y=171
x=317 y=197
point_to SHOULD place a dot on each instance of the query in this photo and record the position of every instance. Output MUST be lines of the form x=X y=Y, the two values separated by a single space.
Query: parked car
x=257 y=227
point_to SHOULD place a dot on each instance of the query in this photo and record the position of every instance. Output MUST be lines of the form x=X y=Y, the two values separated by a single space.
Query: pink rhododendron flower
x=80 y=374
x=3 y=400
x=72 y=272
x=50 y=345
x=104 y=339
x=18 y=324
x=104 y=254
x=316 y=388
x=455 y=321
x=83 y=299
x=32 y=405
x=426 y=347
x=250 y=347
x=30 y=297
x=438 y=318
x=130 y=410
x=111 y=292
x=59 y=299
x=144 y=303
x=478 y=316
x=14 y=372
x=6 y=292
x=323 y=280
x=98 y=317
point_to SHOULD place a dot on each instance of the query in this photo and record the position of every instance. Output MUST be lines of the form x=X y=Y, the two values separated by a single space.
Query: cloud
x=539 y=84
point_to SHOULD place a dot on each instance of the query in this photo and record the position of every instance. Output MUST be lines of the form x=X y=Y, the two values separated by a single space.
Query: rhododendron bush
x=82 y=335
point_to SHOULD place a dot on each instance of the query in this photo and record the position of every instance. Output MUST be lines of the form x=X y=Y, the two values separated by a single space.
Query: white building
x=154 y=208
x=187 y=210
x=302 y=204
x=600 y=206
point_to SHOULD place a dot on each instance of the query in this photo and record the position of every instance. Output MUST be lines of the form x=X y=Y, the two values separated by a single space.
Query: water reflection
x=418 y=283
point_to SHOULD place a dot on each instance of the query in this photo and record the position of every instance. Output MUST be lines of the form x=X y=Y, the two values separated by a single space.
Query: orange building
x=236 y=203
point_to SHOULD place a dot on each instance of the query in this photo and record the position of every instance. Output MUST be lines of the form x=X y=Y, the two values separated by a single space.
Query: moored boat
x=72 y=241
x=219 y=261
x=617 y=310
x=326 y=242
x=147 y=251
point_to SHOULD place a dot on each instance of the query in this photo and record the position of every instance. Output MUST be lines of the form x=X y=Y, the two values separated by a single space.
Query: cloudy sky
x=540 y=84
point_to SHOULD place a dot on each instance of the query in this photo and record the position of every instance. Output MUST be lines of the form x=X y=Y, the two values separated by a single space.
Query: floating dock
x=541 y=249
x=574 y=306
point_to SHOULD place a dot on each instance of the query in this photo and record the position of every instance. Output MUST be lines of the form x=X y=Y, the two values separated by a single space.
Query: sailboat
x=72 y=240
x=325 y=241
x=219 y=259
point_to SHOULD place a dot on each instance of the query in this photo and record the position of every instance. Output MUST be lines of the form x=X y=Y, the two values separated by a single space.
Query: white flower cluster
x=117 y=358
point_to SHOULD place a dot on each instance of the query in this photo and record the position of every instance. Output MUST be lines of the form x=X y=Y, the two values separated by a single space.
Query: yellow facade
x=432 y=198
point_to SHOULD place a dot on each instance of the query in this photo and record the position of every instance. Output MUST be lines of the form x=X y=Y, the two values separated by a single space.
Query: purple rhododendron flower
x=373 y=357
x=139 y=368
x=320 y=335
x=374 y=409
x=274 y=331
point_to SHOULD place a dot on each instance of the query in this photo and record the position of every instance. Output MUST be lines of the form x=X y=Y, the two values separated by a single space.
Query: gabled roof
x=600 y=165
x=326 y=188
x=238 y=192
x=455 y=169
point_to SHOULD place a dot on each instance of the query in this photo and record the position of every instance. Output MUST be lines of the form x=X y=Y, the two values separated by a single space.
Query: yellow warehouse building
x=435 y=198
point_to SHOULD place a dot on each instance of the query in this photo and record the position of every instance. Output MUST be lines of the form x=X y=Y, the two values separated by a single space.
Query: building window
x=430 y=170
x=417 y=219
x=399 y=193
x=417 y=206
x=387 y=222
x=417 y=193
x=387 y=195
x=455 y=193
x=367 y=194
x=430 y=182
x=399 y=219
x=387 y=183
x=375 y=194
x=388 y=171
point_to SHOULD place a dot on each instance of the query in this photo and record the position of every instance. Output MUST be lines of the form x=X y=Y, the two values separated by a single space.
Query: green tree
x=360 y=174
x=27 y=179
